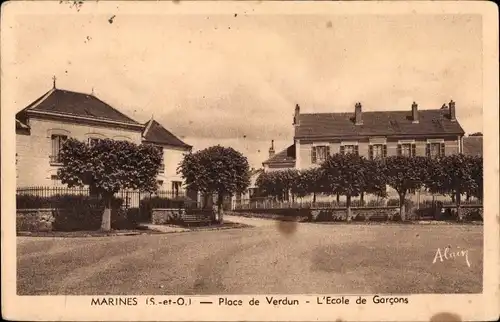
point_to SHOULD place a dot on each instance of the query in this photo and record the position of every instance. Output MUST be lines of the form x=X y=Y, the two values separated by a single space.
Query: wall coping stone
x=35 y=209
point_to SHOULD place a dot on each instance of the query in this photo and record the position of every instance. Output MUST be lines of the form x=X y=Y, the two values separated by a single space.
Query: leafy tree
x=375 y=179
x=404 y=174
x=216 y=170
x=266 y=184
x=278 y=184
x=288 y=179
x=108 y=166
x=455 y=175
x=477 y=177
x=345 y=174
x=309 y=181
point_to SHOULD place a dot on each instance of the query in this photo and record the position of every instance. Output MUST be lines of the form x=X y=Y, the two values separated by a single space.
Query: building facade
x=412 y=132
x=430 y=132
x=44 y=125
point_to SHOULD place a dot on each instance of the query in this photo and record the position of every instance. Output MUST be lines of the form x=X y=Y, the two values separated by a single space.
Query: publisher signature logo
x=448 y=254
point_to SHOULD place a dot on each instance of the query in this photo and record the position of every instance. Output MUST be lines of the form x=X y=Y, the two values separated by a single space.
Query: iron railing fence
x=47 y=196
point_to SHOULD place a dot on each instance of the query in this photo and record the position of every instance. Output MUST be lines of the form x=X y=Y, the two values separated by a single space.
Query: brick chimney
x=414 y=112
x=297 y=114
x=451 y=105
x=271 y=149
x=358 y=114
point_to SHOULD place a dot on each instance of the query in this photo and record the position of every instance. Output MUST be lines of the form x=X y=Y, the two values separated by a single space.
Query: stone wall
x=35 y=219
x=46 y=219
x=160 y=216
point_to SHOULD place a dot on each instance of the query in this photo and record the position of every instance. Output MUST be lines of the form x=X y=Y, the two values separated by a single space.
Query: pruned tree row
x=351 y=175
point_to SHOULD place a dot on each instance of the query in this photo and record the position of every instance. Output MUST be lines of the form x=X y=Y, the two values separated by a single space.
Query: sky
x=234 y=79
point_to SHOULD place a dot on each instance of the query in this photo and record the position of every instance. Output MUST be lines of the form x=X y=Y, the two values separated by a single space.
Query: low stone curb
x=83 y=234
x=151 y=231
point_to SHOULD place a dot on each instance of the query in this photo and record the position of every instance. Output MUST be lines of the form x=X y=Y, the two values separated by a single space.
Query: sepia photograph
x=238 y=152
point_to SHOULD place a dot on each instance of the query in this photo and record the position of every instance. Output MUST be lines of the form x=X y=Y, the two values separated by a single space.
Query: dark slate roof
x=473 y=145
x=285 y=156
x=383 y=123
x=70 y=103
x=154 y=132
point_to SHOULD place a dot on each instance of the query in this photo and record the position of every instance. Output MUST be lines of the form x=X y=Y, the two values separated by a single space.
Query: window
x=93 y=141
x=406 y=149
x=435 y=150
x=57 y=143
x=176 y=187
x=377 y=151
x=319 y=153
x=252 y=192
x=55 y=180
x=162 y=165
x=350 y=148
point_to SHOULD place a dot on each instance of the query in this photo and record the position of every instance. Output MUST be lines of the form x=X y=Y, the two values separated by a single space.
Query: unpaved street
x=306 y=258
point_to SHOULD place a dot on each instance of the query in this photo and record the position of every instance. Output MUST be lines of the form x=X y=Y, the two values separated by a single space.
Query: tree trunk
x=106 y=215
x=459 y=208
x=220 y=212
x=314 y=198
x=402 y=210
x=362 y=198
x=338 y=198
x=348 y=205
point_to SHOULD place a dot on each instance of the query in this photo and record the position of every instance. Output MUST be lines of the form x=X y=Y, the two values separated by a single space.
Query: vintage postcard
x=250 y=161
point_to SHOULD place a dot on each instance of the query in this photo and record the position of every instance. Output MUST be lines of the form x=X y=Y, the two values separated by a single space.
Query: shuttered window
x=350 y=149
x=319 y=153
x=407 y=149
x=435 y=150
x=377 y=151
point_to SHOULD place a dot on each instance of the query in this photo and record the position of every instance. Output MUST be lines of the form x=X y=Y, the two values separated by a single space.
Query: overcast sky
x=234 y=81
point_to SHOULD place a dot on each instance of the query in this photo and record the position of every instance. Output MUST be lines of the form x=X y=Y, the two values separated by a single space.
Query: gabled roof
x=473 y=145
x=155 y=133
x=383 y=123
x=284 y=157
x=68 y=103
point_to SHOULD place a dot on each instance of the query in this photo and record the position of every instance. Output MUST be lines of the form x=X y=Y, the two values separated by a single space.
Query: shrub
x=62 y=202
x=473 y=214
x=159 y=202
